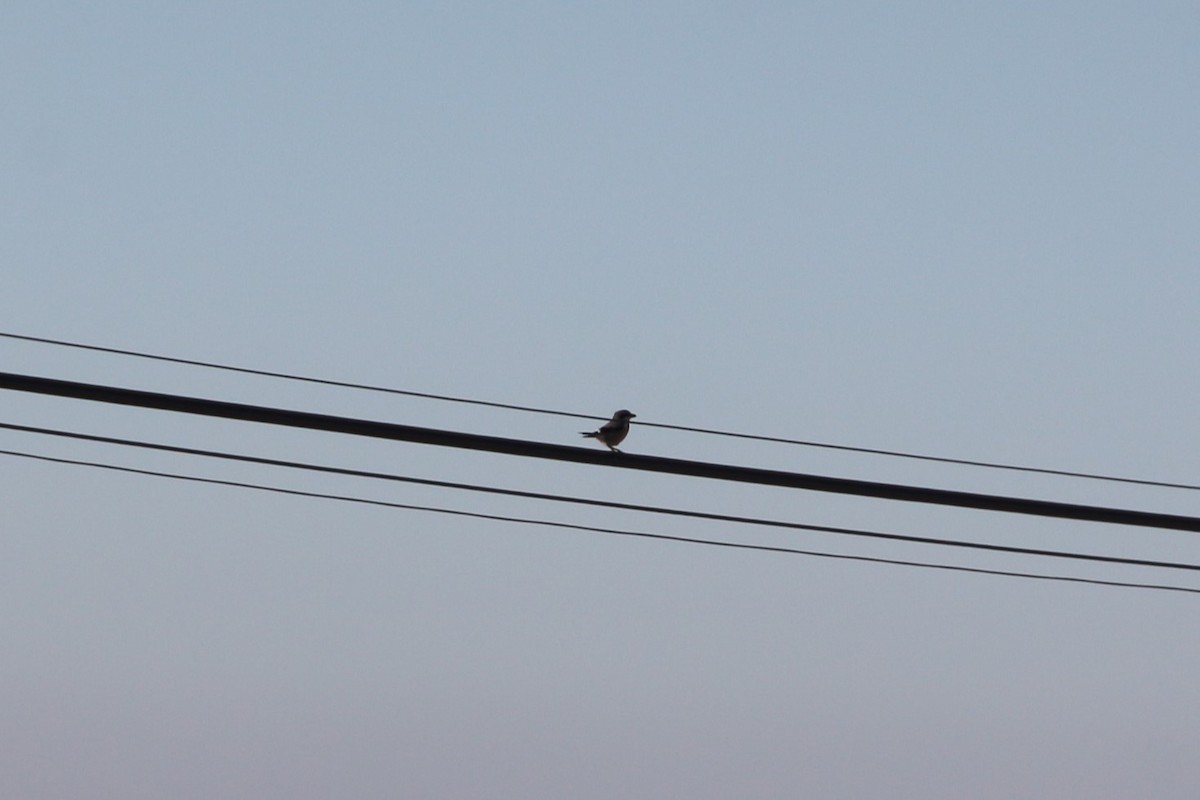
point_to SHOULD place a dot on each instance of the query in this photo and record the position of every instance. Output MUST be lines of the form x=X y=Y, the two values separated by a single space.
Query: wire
x=520 y=447
x=291 y=377
x=662 y=425
x=896 y=537
x=594 y=529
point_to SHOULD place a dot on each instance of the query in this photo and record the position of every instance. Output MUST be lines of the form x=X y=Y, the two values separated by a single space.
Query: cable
x=662 y=425
x=609 y=531
x=302 y=378
x=519 y=447
x=896 y=537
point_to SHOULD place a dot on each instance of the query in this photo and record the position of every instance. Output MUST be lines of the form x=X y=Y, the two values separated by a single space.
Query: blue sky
x=947 y=228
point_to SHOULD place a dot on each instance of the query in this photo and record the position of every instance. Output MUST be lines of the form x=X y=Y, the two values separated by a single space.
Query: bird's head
x=624 y=414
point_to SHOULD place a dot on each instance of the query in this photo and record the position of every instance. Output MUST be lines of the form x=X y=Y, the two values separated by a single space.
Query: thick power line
x=555 y=412
x=519 y=447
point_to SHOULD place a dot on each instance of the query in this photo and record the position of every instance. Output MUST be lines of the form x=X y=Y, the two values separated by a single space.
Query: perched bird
x=613 y=432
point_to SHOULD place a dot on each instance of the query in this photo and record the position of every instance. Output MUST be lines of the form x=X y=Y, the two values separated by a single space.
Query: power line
x=743 y=520
x=520 y=447
x=554 y=412
x=292 y=377
x=608 y=531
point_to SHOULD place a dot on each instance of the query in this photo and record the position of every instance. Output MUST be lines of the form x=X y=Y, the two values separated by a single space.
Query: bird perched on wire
x=613 y=432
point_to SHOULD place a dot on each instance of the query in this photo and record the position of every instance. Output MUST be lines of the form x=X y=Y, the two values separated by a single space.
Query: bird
x=613 y=432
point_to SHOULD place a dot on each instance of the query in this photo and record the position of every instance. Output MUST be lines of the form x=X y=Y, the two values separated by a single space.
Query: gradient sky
x=962 y=229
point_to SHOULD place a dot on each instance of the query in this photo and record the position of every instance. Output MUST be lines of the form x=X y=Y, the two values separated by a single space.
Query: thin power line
x=576 y=415
x=743 y=520
x=520 y=447
x=595 y=529
x=292 y=377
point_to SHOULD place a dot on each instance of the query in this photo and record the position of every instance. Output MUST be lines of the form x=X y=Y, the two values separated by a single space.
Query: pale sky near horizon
x=959 y=229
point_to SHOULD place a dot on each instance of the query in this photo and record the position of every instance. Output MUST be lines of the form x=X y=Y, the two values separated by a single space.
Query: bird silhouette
x=613 y=432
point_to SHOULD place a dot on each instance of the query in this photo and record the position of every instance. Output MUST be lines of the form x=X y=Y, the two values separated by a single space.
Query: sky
x=958 y=229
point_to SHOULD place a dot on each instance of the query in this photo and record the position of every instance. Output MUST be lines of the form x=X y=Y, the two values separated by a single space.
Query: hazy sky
x=964 y=229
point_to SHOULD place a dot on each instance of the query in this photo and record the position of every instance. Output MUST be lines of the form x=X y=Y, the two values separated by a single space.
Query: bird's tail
x=590 y=434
